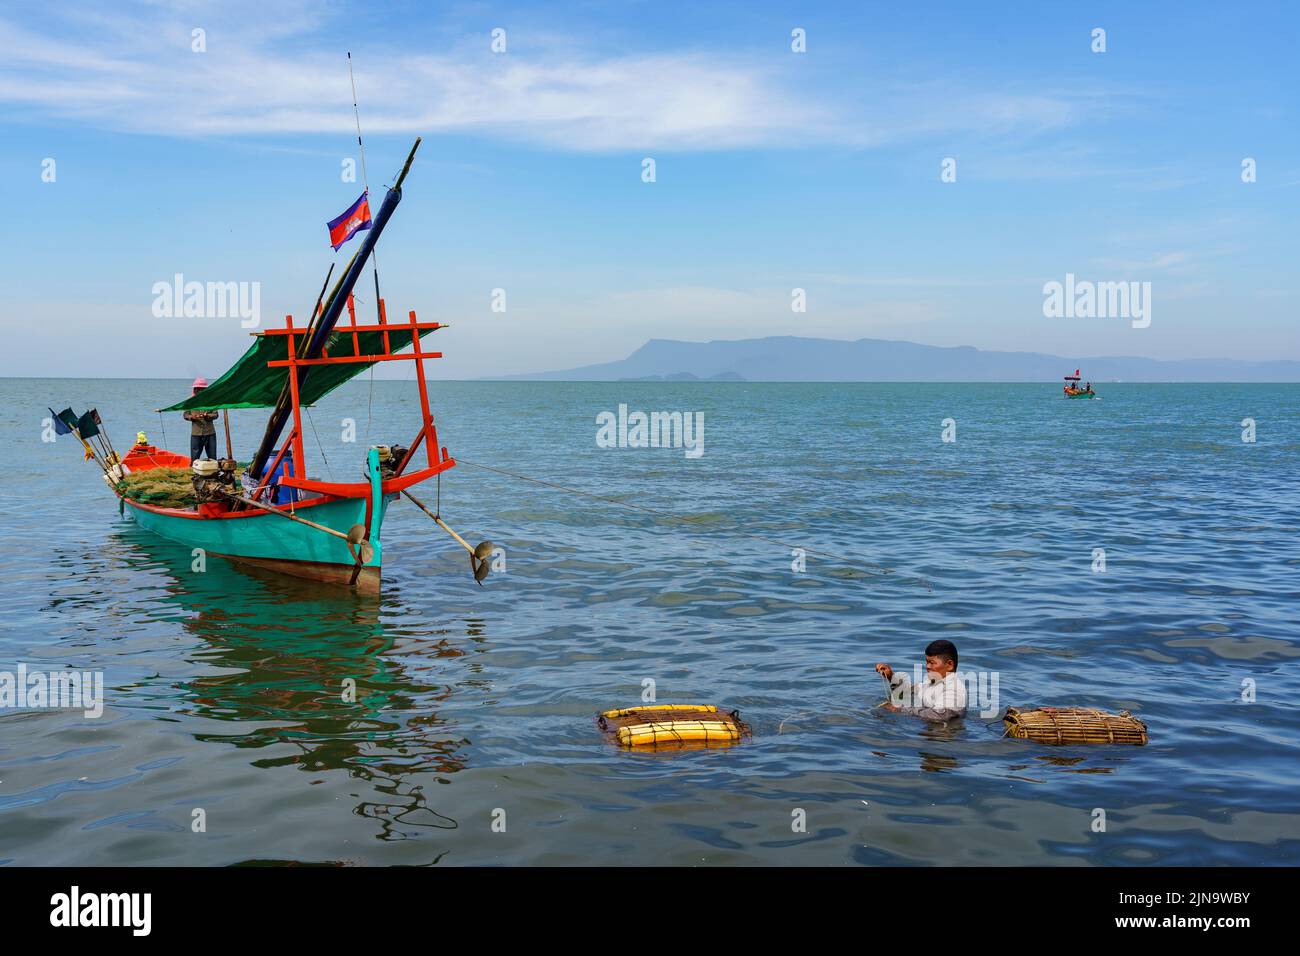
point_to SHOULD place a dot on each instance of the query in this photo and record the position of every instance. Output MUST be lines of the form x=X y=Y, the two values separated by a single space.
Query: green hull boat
x=264 y=540
x=275 y=516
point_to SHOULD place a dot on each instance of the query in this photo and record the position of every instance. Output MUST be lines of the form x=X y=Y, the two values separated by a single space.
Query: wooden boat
x=276 y=516
x=303 y=547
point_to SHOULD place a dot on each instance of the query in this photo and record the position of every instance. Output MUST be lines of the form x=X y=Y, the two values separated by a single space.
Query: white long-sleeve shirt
x=931 y=699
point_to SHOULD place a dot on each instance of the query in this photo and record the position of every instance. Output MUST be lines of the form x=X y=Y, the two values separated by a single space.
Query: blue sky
x=774 y=171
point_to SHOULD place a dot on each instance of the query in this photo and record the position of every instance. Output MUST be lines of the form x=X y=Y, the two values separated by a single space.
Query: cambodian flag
x=351 y=222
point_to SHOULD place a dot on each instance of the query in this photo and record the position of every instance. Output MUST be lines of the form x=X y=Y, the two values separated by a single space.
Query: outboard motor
x=213 y=480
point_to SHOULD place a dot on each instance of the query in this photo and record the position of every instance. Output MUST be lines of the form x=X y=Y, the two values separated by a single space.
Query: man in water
x=203 y=433
x=941 y=696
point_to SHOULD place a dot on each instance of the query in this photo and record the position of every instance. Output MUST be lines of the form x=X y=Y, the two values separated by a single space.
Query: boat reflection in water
x=309 y=674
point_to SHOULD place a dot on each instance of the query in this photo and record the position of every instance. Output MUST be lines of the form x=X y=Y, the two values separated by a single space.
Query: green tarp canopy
x=251 y=384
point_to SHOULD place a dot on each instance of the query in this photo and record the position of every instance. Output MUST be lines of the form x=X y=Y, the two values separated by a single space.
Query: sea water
x=1133 y=553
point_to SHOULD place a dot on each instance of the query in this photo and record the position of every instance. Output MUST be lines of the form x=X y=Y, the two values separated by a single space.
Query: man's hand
x=885 y=671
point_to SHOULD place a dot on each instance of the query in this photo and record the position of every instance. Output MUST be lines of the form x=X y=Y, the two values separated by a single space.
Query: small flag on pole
x=60 y=426
x=351 y=222
x=86 y=426
x=66 y=422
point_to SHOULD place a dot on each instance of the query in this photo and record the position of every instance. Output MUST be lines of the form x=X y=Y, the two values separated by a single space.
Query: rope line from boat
x=370 y=402
x=312 y=423
x=843 y=559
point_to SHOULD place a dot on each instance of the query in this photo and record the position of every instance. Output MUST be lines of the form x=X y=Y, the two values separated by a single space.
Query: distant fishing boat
x=1072 y=389
x=274 y=515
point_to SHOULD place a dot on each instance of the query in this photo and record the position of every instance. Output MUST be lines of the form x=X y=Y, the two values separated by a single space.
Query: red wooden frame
x=438 y=459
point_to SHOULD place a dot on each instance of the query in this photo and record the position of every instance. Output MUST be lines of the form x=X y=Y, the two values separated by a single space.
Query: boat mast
x=333 y=309
x=365 y=179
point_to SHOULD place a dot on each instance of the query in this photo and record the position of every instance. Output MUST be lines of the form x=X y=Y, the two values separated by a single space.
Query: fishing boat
x=1072 y=389
x=275 y=515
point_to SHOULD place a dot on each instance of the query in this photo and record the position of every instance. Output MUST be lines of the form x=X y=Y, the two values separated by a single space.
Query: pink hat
x=199 y=383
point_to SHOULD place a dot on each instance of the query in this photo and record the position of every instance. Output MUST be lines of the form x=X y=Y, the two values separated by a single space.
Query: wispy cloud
x=134 y=70
x=1165 y=261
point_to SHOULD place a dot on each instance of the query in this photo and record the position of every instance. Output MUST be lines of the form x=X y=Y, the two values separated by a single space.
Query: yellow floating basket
x=679 y=726
x=1074 y=725
x=679 y=732
x=660 y=709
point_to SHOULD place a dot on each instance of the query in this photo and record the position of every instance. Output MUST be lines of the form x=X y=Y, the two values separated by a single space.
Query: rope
x=163 y=426
x=370 y=401
x=312 y=423
x=864 y=565
x=781 y=726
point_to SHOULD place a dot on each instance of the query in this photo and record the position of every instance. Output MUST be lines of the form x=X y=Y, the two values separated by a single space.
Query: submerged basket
x=678 y=726
x=1074 y=725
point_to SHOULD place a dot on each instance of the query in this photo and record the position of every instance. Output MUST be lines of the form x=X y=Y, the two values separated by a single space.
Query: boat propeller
x=478 y=560
x=362 y=550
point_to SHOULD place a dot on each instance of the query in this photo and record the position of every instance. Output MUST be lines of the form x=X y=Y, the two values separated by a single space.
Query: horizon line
x=663 y=380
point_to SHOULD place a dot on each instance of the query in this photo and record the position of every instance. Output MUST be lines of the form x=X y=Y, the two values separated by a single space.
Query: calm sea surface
x=476 y=704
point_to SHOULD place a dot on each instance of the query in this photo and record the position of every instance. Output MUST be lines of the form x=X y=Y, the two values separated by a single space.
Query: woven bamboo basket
x=676 y=726
x=1074 y=725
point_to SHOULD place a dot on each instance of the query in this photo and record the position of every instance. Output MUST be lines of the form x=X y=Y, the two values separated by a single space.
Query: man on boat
x=203 y=433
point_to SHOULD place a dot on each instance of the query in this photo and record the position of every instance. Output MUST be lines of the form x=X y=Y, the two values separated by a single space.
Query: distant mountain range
x=787 y=358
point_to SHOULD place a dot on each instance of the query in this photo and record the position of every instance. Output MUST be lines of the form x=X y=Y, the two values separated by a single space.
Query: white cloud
x=134 y=71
